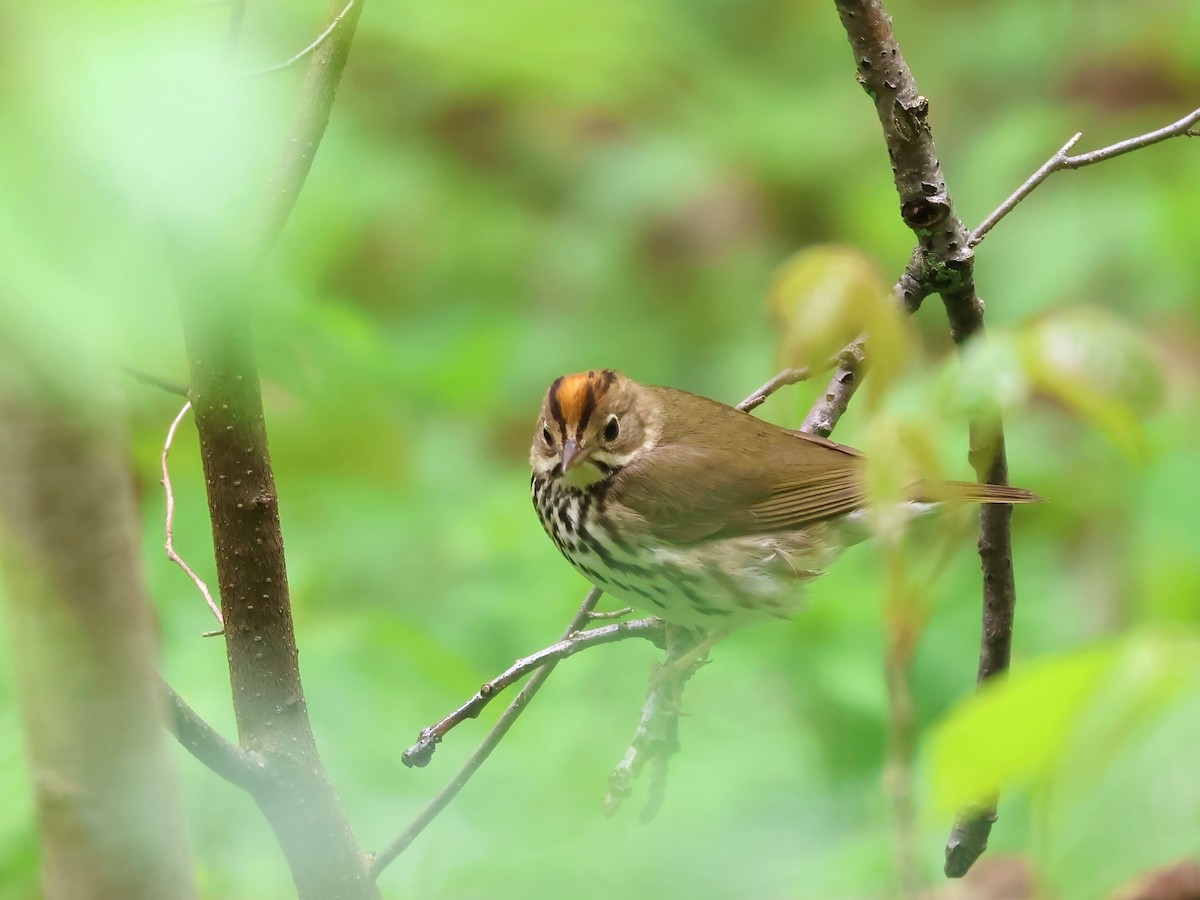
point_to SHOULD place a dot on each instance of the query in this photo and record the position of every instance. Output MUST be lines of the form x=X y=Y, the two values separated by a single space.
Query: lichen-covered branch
x=927 y=207
x=909 y=291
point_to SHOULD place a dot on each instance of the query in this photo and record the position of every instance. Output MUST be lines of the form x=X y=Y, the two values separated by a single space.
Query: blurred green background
x=509 y=191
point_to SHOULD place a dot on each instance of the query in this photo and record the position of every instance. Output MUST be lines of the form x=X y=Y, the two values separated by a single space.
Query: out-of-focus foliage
x=1097 y=736
x=826 y=296
x=1083 y=359
x=509 y=191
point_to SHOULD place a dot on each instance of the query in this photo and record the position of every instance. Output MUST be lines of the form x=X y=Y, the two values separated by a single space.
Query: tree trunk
x=84 y=647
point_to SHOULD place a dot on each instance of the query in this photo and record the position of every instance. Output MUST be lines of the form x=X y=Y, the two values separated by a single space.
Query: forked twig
x=1185 y=127
x=169 y=524
x=506 y=721
x=650 y=628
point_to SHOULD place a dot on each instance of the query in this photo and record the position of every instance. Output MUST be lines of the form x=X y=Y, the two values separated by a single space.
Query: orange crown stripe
x=576 y=395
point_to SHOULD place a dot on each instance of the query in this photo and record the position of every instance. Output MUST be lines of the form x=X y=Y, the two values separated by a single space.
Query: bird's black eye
x=546 y=435
x=612 y=428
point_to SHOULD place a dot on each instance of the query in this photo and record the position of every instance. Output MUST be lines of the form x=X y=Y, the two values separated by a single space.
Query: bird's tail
x=969 y=492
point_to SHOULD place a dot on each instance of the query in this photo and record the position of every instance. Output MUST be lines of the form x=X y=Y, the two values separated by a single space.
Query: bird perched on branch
x=694 y=510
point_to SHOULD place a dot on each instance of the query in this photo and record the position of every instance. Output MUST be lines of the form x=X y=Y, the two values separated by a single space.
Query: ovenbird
x=694 y=510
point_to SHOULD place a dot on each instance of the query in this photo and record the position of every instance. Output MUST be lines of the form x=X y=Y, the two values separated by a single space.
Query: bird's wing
x=691 y=491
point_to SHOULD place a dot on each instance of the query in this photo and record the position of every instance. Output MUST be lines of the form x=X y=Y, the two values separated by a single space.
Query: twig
x=909 y=291
x=972 y=826
x=169 y=525
x=171 y=387
x=320 y=87
x=828 y=409
x=1061 y=160
x=317 y=42
x=784 y=378
x=507 y=719
x=612 y=613
x=650 y=628
x=246 y=770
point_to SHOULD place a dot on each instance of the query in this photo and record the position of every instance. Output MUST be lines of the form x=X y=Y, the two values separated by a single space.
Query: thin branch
x=171 y=387
x=477 y=759
x=784 y=378
x=325 y=68
x=317 y=42
x=246 y=770
x=1048 y=168
x=1185 y=127
x=612 y=613
x=650 y=628
x=169 y=525
x=909 y=291
x=830 y=407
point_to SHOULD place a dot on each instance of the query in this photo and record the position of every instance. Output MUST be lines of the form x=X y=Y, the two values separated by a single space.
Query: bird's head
x=592 y=424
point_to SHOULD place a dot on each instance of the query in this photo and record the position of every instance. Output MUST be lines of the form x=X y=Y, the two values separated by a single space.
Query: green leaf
x=1065 y=718
x=1013 y=731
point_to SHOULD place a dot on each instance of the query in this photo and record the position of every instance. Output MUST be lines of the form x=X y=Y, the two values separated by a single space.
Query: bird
x=696 y=511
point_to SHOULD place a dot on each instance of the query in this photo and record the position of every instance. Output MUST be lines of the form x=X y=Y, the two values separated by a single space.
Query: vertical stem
x=268 y=697
x=927 y=207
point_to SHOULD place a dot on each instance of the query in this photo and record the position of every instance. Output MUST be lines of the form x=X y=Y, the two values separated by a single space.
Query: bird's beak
x=570 y=453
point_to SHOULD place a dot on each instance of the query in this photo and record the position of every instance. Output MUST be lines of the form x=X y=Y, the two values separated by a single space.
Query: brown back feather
x=719 y=472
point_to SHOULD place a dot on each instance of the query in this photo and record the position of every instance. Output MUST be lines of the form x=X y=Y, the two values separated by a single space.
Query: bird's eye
x=612 y=428
x=546 y=435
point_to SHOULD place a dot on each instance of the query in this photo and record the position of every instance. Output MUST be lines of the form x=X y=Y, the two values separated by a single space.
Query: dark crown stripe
x=555 y=407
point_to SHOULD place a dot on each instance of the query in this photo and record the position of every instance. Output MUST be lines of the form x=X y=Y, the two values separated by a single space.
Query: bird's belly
x=702 y=584
x=709 y=584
